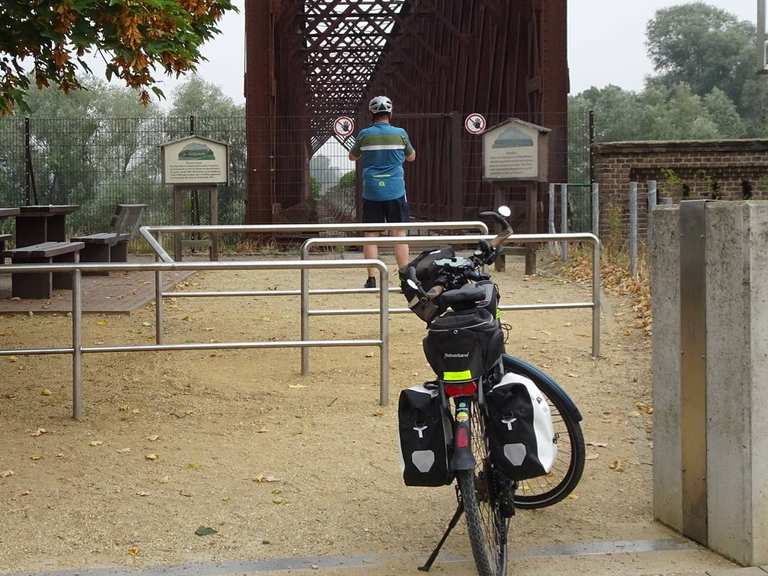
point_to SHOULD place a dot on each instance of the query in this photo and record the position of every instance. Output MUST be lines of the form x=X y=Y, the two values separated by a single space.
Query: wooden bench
x=3 y=239
x=39 y=285
x=112 y=246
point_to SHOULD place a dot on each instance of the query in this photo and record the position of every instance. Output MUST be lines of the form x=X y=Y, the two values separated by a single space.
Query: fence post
x=456 y=192
x=652 y=201
x=551 y=220
x=591 y=144
x=596 y=209
x=77 y=343
x=564 y=220
x=633 y=228
x=304 y=316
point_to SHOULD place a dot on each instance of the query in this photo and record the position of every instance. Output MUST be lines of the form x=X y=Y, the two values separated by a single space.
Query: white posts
x=551 y=220
x=564 y=220
x=596 y=209
x=633 y=229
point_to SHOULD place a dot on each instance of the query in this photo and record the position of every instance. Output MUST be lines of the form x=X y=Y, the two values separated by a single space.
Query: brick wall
x=723 y=169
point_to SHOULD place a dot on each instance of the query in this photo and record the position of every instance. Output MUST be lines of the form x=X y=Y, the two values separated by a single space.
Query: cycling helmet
x=380 y=104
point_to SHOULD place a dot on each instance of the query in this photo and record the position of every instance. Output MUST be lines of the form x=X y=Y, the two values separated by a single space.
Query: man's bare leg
x=371 y=252
x=402 y=252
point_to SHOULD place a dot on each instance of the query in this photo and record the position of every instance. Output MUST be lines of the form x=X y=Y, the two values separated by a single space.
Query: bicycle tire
x=486 y=525
x=539 y=492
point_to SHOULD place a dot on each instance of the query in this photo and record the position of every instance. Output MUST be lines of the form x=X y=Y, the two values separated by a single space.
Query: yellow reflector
x=457 y=376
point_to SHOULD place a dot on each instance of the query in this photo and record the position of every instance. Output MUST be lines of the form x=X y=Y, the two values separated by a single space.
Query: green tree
x=200 y=98
x=682 y=115
x=704 y=47
x=619 y=114
x=724 y=114
x=135 y=38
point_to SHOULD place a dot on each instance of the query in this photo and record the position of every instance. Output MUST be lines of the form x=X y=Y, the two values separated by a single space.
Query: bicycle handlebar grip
x=435 y=292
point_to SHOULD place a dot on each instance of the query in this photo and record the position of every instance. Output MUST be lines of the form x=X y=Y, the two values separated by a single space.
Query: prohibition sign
x=343 y=126
x=475 y=123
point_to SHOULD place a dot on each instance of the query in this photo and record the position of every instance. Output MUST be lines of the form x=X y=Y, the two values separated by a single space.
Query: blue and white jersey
x=383 y=149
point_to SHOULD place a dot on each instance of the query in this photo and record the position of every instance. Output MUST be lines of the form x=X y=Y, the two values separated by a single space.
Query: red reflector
x=462 y=438
x=467 y=389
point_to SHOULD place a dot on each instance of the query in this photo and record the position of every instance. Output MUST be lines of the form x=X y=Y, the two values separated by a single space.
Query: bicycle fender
x=542 y=380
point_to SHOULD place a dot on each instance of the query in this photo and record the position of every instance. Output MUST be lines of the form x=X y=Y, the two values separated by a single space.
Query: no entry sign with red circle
x=475 y=123
x=343 y=126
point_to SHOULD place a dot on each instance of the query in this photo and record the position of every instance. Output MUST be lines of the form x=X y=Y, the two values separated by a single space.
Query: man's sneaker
x=370 y=283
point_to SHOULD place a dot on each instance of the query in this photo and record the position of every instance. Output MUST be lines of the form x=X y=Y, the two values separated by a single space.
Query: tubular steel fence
x=99 y=162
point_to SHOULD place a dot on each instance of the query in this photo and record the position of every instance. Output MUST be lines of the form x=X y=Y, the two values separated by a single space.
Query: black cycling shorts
x=387 y=211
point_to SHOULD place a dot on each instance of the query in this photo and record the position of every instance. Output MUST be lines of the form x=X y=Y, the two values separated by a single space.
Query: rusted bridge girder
x=309 y=61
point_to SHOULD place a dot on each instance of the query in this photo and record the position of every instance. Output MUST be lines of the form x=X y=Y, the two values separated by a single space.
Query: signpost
x=195 y=163
x=762 y=40
x=517 y=153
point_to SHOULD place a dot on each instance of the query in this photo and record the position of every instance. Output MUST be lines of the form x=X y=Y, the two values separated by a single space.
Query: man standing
x=383 y=149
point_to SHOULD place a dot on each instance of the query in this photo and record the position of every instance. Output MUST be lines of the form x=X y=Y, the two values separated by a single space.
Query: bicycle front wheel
x=486 y=523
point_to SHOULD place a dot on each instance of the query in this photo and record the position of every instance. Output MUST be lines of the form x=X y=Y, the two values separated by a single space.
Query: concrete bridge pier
x=709 y=266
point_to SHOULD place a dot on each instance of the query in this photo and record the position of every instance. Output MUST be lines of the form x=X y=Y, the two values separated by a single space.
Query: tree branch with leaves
x=46 y=41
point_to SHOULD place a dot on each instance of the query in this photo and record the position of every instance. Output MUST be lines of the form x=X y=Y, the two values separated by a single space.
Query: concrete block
x=727 y=266
x=737 y=380
x=665 y=302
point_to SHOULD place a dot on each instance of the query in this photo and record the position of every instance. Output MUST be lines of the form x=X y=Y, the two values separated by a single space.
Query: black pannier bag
x=520 y=428
x=463 y=346
x=426 y=438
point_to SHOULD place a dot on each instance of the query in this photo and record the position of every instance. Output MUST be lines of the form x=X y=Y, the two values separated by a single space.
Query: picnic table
x=40 y=238
x=44 y=223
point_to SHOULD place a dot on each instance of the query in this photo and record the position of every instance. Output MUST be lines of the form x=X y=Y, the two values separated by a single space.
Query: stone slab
x=665 y=302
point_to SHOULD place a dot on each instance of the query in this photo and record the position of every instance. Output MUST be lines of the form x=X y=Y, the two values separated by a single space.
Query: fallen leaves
x=616 y=466
x=45 y=392
x=205 y=531
x=134 y=551
x=260 y=478
x=39 y=432
x=6 y=473
x=152 y=457
x=95 y=443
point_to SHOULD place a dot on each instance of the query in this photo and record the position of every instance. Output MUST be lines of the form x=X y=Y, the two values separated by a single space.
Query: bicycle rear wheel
x=568 y=467
x=483 y=509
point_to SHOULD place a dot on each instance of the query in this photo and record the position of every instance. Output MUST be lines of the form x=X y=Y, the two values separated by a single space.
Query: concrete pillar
x=665 y=304
x=734 y=372
x=737 y=379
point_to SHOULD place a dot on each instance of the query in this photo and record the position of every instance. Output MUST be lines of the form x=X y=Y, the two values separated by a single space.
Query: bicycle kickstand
x=451 y=525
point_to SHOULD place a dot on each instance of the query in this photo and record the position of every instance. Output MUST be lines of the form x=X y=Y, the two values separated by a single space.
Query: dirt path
x=277 y=464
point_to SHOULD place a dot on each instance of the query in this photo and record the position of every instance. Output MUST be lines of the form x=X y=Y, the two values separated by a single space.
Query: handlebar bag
x=426 y=438
x=522 y=438
x=426 y=273
x=463 y=346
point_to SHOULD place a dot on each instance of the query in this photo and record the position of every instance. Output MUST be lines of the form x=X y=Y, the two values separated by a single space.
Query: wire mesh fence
x=97 y=163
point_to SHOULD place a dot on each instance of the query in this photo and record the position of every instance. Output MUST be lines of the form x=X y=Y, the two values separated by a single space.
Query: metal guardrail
x=305 y=292
x=77 y=349
x=456 y=240
x=147 y=231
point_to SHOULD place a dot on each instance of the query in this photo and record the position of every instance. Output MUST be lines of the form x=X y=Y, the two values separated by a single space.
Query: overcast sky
x=606 y=44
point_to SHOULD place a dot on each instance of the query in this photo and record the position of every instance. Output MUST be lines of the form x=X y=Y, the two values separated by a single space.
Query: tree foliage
x=198 y=97
x=702 y=46
x=706 y=85
x=134 y=37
